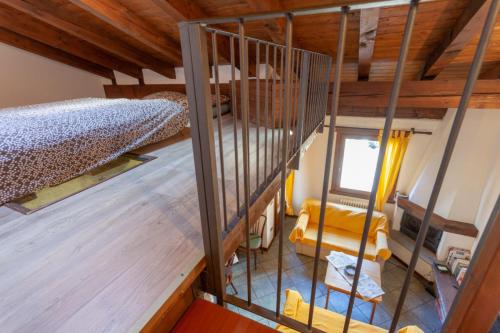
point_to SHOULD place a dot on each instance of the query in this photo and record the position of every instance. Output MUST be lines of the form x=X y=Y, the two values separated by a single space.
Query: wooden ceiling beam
x=22 y=24
x=420 y=94
x=368 y=24
x=411 y=113
x=490 y=73
x=48 y=15
x=183 y=10
x=467 y=26
x=33 y=46
x=129 y=23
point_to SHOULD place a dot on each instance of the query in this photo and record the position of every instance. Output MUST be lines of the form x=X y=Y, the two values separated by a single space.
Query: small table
x=334 y=280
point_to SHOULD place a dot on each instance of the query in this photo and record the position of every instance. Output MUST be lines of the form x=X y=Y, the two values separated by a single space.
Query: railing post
x=196 y=70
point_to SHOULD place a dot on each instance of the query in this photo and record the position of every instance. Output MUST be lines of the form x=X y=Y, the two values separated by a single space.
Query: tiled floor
x=418 y=309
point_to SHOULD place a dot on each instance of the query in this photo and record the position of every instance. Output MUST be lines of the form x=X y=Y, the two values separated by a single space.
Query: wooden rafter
x=275 y=29
x=183 y=10
x=129 y=23
x=48 y=15
x=465 y=29
x=368 y=24
x=30 y=45
x=19 y=23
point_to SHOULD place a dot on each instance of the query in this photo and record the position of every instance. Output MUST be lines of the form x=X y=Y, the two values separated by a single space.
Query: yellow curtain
x=396 y=148
x=289 y=193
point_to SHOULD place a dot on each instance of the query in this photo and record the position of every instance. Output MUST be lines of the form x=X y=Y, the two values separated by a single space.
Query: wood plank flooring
x=106 y=259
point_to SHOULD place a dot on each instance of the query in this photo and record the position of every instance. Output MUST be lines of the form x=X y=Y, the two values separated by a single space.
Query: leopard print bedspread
x=47 y=144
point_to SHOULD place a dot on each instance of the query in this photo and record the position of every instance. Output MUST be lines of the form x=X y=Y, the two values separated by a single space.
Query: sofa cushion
x=328 y=321
x=339 y=240
x=345 y=217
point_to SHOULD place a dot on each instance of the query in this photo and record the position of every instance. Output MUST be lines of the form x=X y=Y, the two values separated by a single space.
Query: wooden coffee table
x=335 y=281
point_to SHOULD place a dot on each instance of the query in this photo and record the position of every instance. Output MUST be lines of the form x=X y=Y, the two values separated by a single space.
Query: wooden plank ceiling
x=102 y=36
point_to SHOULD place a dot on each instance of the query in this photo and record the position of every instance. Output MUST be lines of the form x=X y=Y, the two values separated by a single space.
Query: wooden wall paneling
x=368 y=24
x=127 y=22
x=467 y=26
x=48 y=14
x=420 y=94
x=412 y=113
x=477 y=304
x=139 y=91
x=30 y=45
x=22 y=24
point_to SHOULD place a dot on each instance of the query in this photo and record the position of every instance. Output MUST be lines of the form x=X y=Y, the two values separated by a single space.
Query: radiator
x=353 y=202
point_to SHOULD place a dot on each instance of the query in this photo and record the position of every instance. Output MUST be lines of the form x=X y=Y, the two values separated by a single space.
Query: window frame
x=344 y=133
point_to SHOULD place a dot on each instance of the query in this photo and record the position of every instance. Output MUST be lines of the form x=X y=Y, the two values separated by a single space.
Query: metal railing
x=292 y=107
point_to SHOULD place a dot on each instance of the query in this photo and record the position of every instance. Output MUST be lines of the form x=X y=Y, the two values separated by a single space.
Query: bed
x=46 y=144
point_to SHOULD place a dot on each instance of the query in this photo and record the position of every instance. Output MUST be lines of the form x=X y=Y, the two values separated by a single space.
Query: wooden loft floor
x=108 y=258
x=203 y=316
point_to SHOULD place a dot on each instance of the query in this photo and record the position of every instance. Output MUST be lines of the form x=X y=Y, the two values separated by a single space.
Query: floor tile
x=427 y=314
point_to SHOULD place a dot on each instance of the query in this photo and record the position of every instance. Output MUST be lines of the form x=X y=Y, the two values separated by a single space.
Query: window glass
x=358 y=164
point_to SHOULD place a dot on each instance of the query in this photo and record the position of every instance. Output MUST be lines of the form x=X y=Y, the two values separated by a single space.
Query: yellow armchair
x=325 y=320
x=342 y=231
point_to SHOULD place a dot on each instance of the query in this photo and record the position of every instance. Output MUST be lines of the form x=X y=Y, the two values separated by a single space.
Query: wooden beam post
x=368 y=24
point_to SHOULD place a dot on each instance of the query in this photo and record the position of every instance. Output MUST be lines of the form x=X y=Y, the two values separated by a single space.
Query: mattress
x=46 y=144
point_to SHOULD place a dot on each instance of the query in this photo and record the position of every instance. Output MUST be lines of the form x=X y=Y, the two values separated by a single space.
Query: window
x=356 y=153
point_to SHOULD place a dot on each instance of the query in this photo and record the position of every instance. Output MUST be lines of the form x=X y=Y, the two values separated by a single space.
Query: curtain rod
x=412 y=130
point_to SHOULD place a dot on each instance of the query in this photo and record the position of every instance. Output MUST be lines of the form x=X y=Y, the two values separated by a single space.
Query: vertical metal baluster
x=297 y=99
x=273 y=110
x=310 y=104
x=234 y=107
x=293 y=103
x=324 y=94
x=317 y=87
x=391 y=110
x=219 y=125
x=244 y=120
x=329 y=151
x=288 y=38
x=257 y=108
x=266 y=106
x=450 y=145
x=281 y=108
x=326 y=91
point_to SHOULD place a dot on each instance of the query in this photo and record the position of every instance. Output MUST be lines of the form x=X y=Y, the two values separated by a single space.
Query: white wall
x=309 y=179
x=471 y=180
x=27 y=78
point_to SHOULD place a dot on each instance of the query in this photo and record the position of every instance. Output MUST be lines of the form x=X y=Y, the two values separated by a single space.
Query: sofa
x=326 y=320
x=342 y=231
